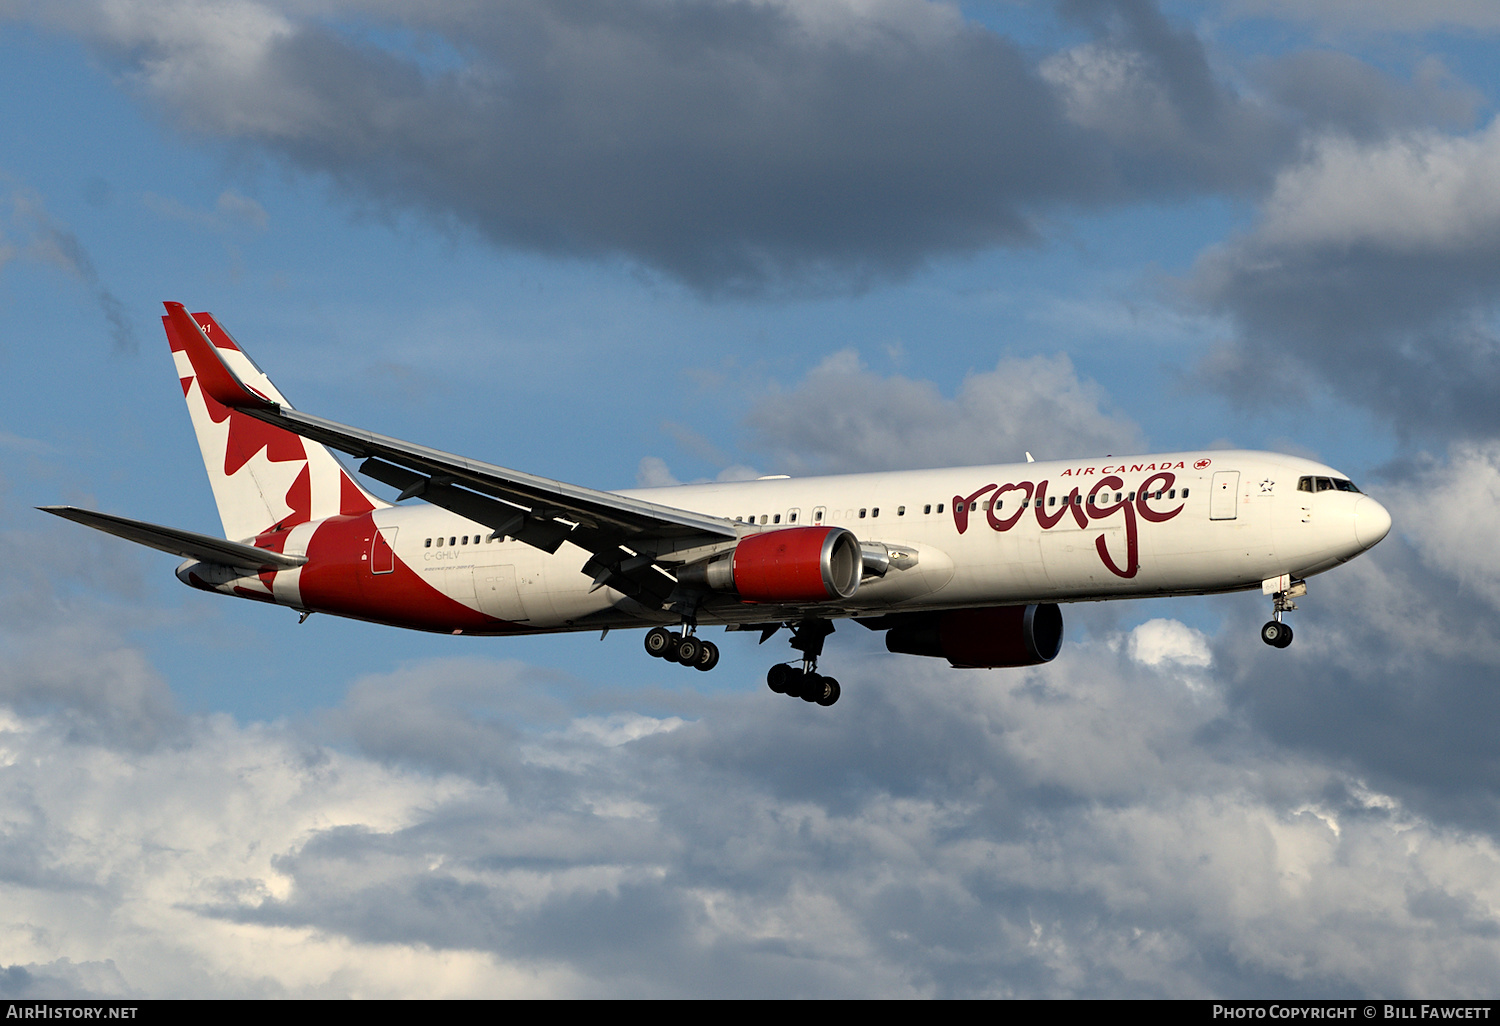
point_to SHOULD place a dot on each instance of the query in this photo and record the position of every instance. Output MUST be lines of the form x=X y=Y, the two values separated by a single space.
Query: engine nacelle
x=794 y=564
x=972 y=638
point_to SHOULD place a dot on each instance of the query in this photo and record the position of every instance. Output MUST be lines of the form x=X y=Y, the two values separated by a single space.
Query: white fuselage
x=1170 y=524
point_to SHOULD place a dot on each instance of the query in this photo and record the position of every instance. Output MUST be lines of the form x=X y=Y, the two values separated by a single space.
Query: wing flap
x=187 y=544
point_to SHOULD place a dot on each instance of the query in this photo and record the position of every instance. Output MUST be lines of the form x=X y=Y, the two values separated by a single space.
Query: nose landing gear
x=1282 y=590
x=805 y=682
x=687 y=649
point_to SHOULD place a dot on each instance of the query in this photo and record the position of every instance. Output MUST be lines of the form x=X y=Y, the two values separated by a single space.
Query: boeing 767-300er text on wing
x=967 y=564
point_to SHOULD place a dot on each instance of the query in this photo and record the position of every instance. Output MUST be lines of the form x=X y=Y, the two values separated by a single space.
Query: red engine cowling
x=971 y=638
x=797 y=564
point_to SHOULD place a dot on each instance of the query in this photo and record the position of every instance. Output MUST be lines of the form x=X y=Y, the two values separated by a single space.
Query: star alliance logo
x=1266 y=486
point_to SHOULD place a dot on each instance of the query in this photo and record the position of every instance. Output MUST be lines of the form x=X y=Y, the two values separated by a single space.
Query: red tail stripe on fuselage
x=337 y=579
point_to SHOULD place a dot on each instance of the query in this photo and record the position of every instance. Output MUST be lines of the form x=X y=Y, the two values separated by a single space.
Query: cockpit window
x=1325 y=484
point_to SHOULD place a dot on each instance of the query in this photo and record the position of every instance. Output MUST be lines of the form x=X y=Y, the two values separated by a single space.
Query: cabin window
x=817 y=516
x=900 y=511
x=1052 y=500
x=1091 y=498
x=875 y=512
x=776 y=519
x=1184 y=493
x=427 y=544
x=763 y=518
x=927 y=508
x=453 y=540
x=791 y=517
x=1172 y=494
x=940 y=507
x=1132 y=496
x=861 y=514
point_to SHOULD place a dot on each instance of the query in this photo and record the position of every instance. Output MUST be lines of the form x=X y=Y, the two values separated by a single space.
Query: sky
x=646 y=241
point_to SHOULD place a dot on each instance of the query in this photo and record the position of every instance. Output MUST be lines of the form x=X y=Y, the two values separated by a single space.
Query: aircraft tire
x=688 y=650
x=670 y=655
x=658 y=640
x=779 y=677
x=832 y=692
x=1276 y=634
x=708 y=658
x=1286 y=637
x=814 y=688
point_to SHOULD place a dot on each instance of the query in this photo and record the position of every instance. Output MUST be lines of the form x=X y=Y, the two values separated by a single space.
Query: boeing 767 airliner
x=967 y=564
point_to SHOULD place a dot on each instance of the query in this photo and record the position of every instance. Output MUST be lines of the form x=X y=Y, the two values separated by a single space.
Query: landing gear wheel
x=1276 y=634
x=814 y=688
x=688 y=650
x=708 y=657
x=831 y=692
x=658 y=640
x=780 y=677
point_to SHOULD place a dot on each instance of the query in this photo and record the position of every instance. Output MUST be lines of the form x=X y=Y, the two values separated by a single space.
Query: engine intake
x=794 y=564
x=973 y=638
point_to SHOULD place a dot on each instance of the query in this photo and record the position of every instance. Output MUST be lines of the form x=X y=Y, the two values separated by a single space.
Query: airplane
x=968 y=564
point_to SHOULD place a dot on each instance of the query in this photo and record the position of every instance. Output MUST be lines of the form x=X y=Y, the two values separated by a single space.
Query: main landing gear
x=687 y=649
x=1275 y=633
x=805 y=682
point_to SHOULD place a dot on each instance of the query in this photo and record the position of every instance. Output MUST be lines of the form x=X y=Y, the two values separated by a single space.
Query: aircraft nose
x=1371 y=522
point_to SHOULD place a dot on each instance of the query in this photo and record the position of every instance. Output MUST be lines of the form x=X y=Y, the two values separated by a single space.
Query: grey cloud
x=1336 y=91
x=842 y=417
x=62 y=978
x=1371 y=275
x=1096 y=827
x=46 y=241
x=732 y=145
x=65 y=652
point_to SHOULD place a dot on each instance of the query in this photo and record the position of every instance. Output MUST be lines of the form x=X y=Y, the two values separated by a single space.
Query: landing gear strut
x=805 y=682
x=686 y=648
x=1282 y=590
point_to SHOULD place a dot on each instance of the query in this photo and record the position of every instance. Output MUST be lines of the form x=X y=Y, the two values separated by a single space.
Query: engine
x=794 y=564
x=971 y=638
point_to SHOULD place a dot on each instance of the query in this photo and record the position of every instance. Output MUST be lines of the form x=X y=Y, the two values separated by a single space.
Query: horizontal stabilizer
x=188 y=544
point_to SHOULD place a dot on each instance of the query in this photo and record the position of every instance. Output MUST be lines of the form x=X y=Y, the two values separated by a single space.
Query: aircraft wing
x=188 y=544
x=624 y=534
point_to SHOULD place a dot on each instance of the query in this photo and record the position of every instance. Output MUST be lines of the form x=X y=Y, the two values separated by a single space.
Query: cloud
x=843 y=418
x=1094 y=827
x=43 y=240
x=735 y=146
x=1371 y=274
x=1371 y=16
x=1339 y=93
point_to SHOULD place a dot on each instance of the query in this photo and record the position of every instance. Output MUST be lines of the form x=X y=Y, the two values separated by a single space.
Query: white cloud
x=1448 y=512
x=1169 y=641
x=1418 y=192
